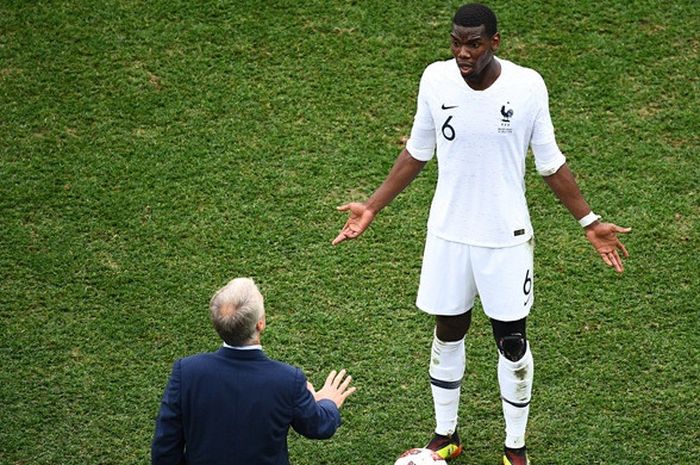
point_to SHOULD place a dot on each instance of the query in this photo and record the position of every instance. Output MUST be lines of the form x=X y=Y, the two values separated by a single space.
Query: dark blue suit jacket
x=235 y=407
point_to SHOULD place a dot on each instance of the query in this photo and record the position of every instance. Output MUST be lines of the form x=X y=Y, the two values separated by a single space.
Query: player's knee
x=452 y=328
x=512 y=346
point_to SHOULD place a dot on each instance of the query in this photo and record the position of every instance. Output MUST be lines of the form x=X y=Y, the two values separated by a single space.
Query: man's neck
x=487 y=77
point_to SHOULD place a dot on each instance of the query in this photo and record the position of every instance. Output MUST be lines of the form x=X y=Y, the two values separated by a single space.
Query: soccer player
x=481 y=113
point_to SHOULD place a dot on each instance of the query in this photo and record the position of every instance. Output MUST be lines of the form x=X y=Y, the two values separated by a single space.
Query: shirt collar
x=250 y=347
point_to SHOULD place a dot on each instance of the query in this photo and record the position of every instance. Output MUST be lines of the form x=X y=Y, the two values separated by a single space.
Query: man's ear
x=260 y=325
x=495 y=41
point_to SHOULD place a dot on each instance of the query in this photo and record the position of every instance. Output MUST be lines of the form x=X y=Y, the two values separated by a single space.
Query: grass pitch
x=153 y=150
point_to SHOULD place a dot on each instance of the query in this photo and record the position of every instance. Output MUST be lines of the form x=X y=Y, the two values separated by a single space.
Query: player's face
x=473 y=49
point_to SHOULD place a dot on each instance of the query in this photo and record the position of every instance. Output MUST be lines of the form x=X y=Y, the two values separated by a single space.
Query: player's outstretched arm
x=603 y=236
x=405 y=170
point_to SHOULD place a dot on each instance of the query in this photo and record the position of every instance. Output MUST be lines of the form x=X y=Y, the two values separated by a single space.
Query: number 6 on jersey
x=447 y=130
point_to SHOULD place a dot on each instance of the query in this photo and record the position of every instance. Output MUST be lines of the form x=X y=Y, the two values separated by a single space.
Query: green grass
x=153 y=150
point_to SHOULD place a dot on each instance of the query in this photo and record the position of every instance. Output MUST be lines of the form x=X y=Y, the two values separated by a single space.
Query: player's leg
x=515 y=374
x=451 y=328
x=447 y=366
x=446 y=290
x=505 y=282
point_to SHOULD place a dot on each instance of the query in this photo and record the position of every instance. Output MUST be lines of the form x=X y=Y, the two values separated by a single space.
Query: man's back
x=235 y=407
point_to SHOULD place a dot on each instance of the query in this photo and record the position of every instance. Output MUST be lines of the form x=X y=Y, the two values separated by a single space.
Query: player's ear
x=495 y=41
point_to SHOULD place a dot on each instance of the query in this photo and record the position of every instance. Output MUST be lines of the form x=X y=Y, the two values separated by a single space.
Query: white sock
x=515 y=380
x=447 y=363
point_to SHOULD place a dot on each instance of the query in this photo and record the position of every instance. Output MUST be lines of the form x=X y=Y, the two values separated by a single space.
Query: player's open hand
x=603 y=236
x=359 y=219
x=336 y=388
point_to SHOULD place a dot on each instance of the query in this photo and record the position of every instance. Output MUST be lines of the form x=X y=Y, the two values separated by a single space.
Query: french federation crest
x=506 y=115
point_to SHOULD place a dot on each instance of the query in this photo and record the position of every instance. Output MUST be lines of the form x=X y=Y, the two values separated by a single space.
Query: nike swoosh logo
x=444 y=107
x=527 y=300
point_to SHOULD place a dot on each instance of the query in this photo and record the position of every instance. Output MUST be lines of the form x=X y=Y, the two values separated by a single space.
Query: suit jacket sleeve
x=314 y=420
x=168 y=445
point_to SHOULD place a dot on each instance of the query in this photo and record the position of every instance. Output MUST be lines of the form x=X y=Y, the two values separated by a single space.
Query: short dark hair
x=474 y=15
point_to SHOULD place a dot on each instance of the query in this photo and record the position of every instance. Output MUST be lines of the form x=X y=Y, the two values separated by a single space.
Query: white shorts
x=453 y=274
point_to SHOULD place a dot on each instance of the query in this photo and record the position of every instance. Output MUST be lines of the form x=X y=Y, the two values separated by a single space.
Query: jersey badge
x=506 y=115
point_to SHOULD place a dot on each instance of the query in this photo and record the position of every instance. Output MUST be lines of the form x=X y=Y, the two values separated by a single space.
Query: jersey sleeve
x=421 y=144
x=548 y=157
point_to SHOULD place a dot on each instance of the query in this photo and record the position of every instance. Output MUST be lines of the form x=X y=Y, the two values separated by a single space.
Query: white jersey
x=482 y=138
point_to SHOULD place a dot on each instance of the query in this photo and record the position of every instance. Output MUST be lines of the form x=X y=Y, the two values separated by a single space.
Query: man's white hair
x=235 y=310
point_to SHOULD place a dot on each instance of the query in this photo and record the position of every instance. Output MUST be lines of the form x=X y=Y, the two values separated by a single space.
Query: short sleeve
x=543 y=130
x=421 y=143
x=548 y=157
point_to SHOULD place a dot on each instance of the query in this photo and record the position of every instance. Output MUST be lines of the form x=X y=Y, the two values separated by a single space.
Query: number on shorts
x=527 y=285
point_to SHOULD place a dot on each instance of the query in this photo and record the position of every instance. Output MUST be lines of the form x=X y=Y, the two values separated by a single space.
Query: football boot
x=515 y=456
x=447 y=447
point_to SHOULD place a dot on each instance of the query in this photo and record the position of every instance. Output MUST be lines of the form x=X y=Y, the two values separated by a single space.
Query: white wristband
x=588 y=219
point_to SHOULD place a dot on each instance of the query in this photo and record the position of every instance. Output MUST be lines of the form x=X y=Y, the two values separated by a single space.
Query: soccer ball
x=418 y=456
